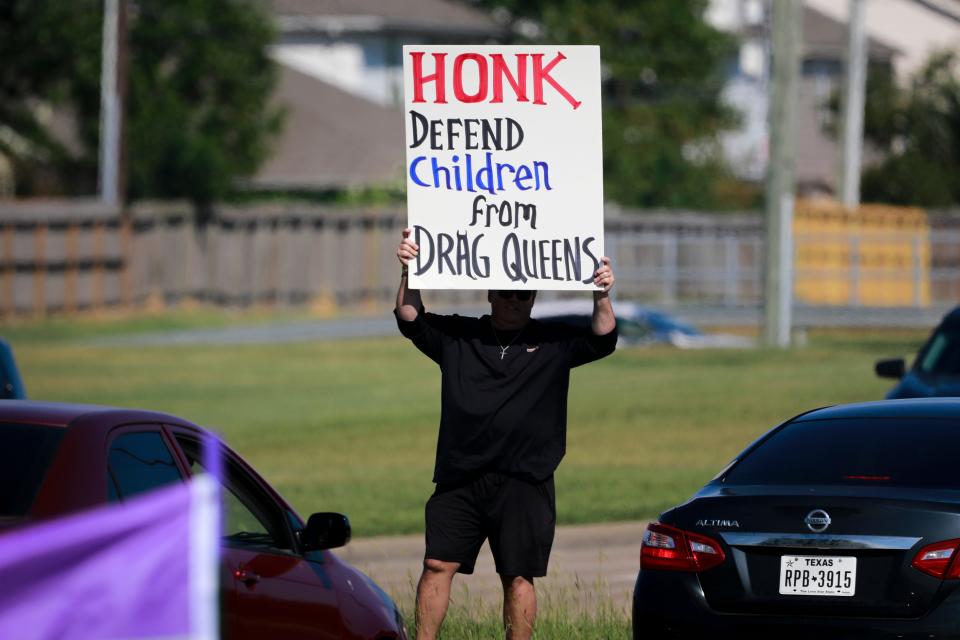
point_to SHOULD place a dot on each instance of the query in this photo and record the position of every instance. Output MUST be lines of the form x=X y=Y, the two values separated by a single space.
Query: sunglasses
x=522 y=296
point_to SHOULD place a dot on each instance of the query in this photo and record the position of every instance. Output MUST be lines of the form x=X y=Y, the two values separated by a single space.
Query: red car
x=279 y=578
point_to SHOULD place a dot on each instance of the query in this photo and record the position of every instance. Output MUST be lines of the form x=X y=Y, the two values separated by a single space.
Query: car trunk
x=764 y=534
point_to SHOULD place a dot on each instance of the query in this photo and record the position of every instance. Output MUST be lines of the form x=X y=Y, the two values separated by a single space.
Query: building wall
x=368 y=66
x=747 y=89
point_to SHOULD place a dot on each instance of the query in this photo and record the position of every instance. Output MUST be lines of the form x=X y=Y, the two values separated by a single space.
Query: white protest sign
x=504 y=166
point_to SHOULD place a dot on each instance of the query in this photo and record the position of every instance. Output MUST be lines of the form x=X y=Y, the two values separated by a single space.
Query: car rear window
x=885 y=451
x=25 y=455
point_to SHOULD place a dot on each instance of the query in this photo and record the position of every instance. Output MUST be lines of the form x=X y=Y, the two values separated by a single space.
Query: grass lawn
x=470 y=619
x=351 y=426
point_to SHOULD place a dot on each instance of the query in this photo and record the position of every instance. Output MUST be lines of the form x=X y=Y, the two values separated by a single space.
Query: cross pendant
x=503 y=352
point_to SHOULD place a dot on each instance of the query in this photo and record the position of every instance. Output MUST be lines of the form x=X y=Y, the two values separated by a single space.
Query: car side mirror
x=892 y=368
x=325 y=531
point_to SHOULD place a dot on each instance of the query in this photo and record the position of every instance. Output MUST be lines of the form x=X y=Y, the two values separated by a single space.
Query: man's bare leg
x=433 y=596
x=519 y=606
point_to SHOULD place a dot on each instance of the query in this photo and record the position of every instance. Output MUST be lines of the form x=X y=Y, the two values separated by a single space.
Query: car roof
x=61 y=414
x=908 y=408
x=951 y=320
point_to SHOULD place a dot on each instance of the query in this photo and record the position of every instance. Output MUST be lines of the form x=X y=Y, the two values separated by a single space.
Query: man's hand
x=408 y=249
x=603 y=277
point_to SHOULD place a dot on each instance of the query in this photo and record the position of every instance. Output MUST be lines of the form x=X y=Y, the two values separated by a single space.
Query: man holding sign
x=502 y=435
x=504 y=193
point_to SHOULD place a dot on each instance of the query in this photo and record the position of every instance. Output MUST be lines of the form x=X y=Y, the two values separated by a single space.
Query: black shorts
x=517 y=517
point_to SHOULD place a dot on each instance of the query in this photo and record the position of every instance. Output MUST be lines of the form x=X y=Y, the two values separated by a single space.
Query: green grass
x=351 y=426
x=555 y=625
x=581 y=611
x=61 y=329
x=474 y=621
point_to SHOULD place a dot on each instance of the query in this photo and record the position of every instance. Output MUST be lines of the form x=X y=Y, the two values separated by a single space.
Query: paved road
x=279 y=332
x=384 y=325
x=589 y=563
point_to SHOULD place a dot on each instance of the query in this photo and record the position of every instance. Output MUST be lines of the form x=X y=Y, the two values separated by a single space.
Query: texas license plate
x=818 y=575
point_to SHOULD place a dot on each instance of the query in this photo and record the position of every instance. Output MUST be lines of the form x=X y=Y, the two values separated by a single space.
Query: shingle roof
x=824 y=37
x=421 y=16
x=331 y=139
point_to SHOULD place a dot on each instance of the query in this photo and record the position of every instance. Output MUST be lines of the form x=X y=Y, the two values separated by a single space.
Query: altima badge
x=817 y=520
x=718 y=523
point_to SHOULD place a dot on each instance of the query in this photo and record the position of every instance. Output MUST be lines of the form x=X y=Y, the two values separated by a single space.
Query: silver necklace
x=503 y=349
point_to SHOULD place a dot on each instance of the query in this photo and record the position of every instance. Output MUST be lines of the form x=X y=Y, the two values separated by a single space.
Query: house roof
x=824 y=37
x=331 y=139
x=444 y=17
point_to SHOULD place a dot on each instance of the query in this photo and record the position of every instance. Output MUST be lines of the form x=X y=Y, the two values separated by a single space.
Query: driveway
x=590 y=565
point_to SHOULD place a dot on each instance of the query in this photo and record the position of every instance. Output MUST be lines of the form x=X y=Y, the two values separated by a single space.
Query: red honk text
x=493 y=72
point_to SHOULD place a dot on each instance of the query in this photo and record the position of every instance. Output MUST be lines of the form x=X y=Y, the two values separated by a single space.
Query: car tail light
x=939 y=560
x=673 y=549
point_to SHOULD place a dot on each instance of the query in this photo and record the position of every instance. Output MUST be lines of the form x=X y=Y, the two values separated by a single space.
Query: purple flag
x=145 y=568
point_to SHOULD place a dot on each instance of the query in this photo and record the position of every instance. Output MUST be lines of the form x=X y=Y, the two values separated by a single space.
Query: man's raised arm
x=604 y=321
x=408 y=300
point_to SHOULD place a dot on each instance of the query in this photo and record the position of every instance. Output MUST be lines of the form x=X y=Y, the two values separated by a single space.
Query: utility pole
x=787 y=24
x=853 y=101
x=112 y=97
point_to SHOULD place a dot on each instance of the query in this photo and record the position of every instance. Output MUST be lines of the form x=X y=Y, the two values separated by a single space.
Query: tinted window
x=249 y=516
x=25 y=455
x=140 y=462
x=902 y=452
x=942 y=355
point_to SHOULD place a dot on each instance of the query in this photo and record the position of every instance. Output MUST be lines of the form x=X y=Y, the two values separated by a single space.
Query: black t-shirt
x=510 y=414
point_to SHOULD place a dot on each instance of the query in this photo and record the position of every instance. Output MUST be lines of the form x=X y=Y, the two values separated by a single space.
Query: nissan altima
x=842 y=522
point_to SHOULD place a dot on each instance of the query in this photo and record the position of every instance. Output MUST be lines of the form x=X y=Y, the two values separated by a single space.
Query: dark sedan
x=11 y=385
x=843 y=522
x=279 y=578
x=936 y=370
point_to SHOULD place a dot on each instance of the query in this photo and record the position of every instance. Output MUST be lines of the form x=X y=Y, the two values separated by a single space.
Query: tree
x=198 y=98
x=197 y=114
x=663 y=77
x=918 y=129
x=48 y=51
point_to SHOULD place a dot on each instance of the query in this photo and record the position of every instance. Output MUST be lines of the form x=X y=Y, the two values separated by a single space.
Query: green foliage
x=49 y=50
x=918 y=127
x=198 y=87
x=198 y=97
x=663 y=72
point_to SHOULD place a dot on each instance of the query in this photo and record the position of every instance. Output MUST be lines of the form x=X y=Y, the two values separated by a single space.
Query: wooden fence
x=65 y=257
